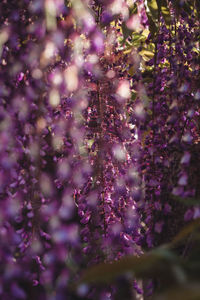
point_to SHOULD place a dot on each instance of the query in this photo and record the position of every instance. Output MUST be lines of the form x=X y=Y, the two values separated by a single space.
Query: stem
x=100 y=158
x=100 y=152
x=154 y=83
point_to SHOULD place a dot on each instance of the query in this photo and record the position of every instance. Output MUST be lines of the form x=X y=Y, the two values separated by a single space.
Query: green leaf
x=153 y=8
x=165 y=12
x=126 y=31
x=138 y=37
x=133 y=96
x=187 y=6
x=197 y=9
x=146 y=54
x=159 y=6
x=186 y=231
x=188 y=201
x=131 y=71
x=183 y=292
x=67 y=3
x=153 y=27
x=145 y=266
x=133 y=9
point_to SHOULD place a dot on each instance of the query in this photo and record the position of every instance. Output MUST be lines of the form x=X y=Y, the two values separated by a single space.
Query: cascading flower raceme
x=99 y=131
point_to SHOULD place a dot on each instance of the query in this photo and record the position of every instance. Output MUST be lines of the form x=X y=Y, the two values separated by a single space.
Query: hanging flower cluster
x=99 y=112
x=172 y=123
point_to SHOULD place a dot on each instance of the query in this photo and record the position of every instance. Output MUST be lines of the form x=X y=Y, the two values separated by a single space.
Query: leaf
x=131 y=71
x=153 y=28
x=133 y=9
x=142 y=267
x=126 y=32
x=146 y=54
x=165 y=12
x=153 y=8
x=197 y=10
x=188 y=201
x=133 y=95
x=68 y=3
x=159 y=6
x=138 y=37
x=127 y=51
x=186 y=6
x=183 y=292
x=186 y=231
